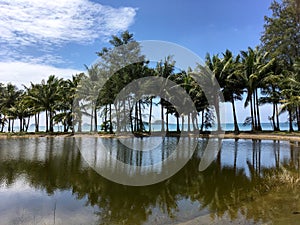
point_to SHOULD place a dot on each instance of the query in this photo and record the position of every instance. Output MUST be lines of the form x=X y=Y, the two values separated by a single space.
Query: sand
x=294 y=136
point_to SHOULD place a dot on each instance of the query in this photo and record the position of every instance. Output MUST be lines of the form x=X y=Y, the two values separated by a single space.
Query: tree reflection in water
x=243 y=171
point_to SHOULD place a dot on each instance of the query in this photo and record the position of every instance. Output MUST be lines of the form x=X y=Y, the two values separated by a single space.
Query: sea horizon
x=284 y=126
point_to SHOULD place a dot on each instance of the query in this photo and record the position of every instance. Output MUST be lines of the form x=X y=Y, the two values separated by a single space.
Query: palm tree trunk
x=140 y=117
x=105 y=118
x=298 y=117
x=124 y=115
x=2 y=122
x=291 y=121
x=36 y=122
x=12 y=125
x=47 y=121
x=254 y=111
x=162 y=116
x=51 y=120
x=66 y=127
x=136 y=127
x=217 y=108
x=27 y=124
x=110 y=120
x=95 y=119
x=257 y=110
x=194 y=121
x=167 y=121
x=79 y=129
x=202 y=121
x=21 y=124
x=9 y=126
x=177 y=122
x=150 y=114
x=236 y=126
x=131 y=121
x=118 y=114
x=273 y=118
x=130 y=115
x=91 y=129
x=277 y=117
x=253 y=124
x=189 y=122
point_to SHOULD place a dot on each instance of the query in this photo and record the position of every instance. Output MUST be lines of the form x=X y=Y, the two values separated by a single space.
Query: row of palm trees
x=252 y=72
x=263 y=80
x=53 y=96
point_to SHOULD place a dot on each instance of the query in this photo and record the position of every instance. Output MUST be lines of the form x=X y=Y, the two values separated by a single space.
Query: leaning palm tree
x=214 y=82
x=231 y=84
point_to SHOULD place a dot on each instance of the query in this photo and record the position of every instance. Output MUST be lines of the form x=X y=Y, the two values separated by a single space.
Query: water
x=47 y=181
x=172 y=127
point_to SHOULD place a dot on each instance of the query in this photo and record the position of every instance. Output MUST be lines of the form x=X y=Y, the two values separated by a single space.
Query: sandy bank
x=294 y=136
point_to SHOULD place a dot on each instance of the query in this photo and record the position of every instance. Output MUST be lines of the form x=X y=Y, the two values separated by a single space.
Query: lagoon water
x=48 y=181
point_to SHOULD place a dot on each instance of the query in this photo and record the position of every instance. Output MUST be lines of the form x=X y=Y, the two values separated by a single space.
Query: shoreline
x=264 y=135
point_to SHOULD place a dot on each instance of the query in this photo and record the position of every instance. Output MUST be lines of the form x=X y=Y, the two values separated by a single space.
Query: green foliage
x=281 y=36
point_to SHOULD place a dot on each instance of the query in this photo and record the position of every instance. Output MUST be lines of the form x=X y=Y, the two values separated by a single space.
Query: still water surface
x=47 y=181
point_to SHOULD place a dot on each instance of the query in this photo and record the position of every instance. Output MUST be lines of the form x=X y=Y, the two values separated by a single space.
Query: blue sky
x=42 y=37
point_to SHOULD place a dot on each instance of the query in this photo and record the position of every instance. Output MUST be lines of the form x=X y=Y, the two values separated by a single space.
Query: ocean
x=172 y=127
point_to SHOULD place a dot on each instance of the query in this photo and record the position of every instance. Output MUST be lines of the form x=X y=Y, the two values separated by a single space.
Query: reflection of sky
x=22 y=204
x=186 y=209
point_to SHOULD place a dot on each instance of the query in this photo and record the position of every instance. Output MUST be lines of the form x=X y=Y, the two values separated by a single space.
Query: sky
x=41 y=37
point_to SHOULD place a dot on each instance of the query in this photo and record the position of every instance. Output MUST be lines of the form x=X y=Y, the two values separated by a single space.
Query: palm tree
x=164 y=69
x=49 y=96
x=291 y=97
x=9 y=98
x=231 y=84
x=215 y=65
x=22 y=110
x=3 y=120
x=34 y=99
x=92 y=87
x=74 y=85
x=254 y=68
x=272 y=91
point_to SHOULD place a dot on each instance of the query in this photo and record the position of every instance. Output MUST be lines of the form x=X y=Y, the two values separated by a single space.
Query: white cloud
x=31 y=31
x=20 y=73
x=31 y=22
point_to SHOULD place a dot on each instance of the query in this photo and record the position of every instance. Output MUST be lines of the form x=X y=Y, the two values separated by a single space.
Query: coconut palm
x=164 y=69
x=68 y=108
x=49 y=97
x=272 y=94
x=231 y=84
x=291 y=97
x=22 y=111
x=33 y=98
x=91 y=87
x=215 y=65
x=9 y=98
x=255 y=66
